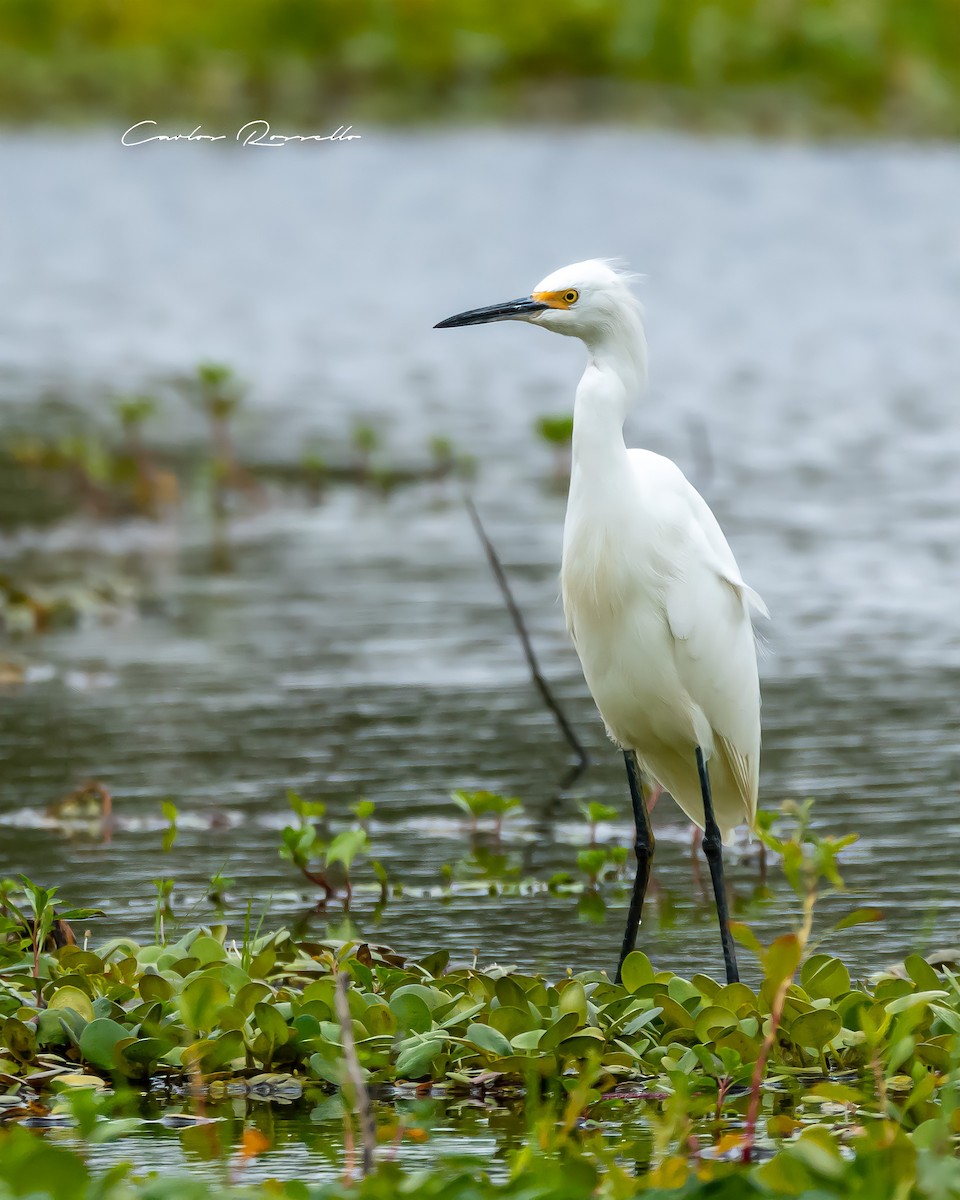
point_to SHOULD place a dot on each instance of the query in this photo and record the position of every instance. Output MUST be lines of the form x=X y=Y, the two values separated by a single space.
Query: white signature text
x=254 y=133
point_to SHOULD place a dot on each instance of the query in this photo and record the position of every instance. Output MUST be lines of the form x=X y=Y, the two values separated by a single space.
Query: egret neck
x=615 y=376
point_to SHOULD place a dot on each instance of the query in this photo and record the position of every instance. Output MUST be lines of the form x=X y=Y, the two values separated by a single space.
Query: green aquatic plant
x=366 y=441
x=596 y=813
x=305 y=843
x=487 y=804
x=709 y=1070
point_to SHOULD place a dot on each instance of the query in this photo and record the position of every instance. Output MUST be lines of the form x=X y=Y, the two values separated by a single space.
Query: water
x=803 y=306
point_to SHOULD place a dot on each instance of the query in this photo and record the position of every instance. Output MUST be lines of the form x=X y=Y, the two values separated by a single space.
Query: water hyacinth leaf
x=511 y=1021
x=559 y=1031
x=200 y=1003
x=154 y=987
x=51 y=1030
x=824 y=977
x=737 y=997
x=672 y=1013
x=71 y=1080
x=509 y=993
x=488 y=1039
x=712 y=1020
x=415 y=1061
x=462 y=1010
x=326 y=1068
x=573 y=999
x=227 y=1049
x=816 y=1029
x=735 y=1042
x=934 y=1055
x=379 y=1019
x=635 y=1024
x=636 y=971
x=914 y=1000
x=18 y=1038
x=435 y=963
x=146 y=1051
x=707 y=987
x=411 y=1011
x=528 y=1041
x=319 y=992
x=85 y=962
x=922 y=974
x=98 y=1040
x=432 y=997
x=262 y=963
x=207 y=950
x=270 y=1022
x=582 y=1044
x=71 y=997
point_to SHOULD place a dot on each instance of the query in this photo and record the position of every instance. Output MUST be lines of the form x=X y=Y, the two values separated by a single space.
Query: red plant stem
x=321 y=881
x=776 y=1012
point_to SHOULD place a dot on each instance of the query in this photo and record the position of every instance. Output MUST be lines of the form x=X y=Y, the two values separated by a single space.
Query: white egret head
x=590 y=300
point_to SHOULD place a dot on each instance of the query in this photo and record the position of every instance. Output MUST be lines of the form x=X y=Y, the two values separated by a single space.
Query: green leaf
x=412 y=1012
x=415 y=1061
x=862 y=916
x=71 y=997
x=815 y=1028
x=154 y=987
x=98 y=1040
x=488 y=1039
x=824 y=978
x=559 y=1031
x=922 y=974
x=782 y=958
x=636 y=971
x=746 y=937
x=573 y=999
x=713 y=1020
x=19 y=1038
x=346 y=846
x=271 y=1023
x=200 y=1003
x=914 y=999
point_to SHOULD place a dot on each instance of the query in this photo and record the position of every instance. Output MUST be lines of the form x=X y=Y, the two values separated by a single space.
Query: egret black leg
x=644 y=846
x=713 y=850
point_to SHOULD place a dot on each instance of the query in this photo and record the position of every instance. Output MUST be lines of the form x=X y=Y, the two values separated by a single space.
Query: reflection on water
x=803 y=306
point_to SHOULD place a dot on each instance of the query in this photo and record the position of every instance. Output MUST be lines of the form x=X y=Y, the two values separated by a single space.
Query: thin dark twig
x=583 y=760
x=361 y=1096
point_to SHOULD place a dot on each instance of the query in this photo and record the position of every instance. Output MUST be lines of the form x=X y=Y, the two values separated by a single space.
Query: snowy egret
x=654 y=601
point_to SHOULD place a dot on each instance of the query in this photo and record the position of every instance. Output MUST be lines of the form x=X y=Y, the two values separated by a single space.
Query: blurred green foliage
x=774 y=63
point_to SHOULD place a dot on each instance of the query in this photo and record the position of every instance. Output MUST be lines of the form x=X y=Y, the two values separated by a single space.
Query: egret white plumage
x=654 y=601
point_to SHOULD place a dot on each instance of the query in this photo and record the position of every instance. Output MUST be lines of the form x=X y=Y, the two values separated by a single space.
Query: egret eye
x=571 y=297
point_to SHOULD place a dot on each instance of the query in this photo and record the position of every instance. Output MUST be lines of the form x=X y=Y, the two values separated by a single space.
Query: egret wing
x=708 y=613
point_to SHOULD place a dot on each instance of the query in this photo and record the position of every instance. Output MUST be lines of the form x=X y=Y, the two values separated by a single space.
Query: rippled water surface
x=803 y=306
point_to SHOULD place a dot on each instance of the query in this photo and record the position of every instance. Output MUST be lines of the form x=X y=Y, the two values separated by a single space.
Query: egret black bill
x=510 y=310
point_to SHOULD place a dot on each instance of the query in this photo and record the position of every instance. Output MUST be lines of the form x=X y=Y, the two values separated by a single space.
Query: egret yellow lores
x=654 y=601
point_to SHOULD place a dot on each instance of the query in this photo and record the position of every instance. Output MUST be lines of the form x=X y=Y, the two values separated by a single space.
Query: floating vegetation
x=304 y=843
x=808 y=1082
x=110 y=473
x=28 y=607
x=676 y=1066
